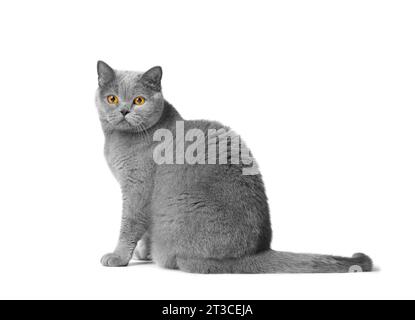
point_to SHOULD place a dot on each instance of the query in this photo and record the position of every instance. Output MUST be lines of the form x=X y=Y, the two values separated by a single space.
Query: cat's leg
x=163 y=256
x=133 y=226
x=202 y=266
x=164 y=259
x=143 y=249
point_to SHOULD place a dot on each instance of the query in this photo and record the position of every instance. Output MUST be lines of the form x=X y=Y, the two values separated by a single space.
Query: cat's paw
x=113 y=260
x=142 y=252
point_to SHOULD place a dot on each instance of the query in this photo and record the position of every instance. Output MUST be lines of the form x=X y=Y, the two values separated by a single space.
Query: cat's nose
x=124 y=112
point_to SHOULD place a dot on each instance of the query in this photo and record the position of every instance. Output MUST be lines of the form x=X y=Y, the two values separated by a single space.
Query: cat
x=199 y=218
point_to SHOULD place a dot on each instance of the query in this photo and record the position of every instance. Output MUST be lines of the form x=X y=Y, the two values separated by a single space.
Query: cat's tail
x=271 y=261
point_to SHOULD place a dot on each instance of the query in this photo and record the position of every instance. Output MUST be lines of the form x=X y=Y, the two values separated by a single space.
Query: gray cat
x=201 y=218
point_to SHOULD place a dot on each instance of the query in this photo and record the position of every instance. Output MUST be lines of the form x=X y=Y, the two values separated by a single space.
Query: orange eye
x=112 y=99
x=139 y=101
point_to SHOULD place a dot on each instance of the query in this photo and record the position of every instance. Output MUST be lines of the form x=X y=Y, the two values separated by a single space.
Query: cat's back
x=210 y=202
x=215 y=179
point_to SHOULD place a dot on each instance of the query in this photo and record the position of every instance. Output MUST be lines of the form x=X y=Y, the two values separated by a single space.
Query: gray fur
x=196 y=218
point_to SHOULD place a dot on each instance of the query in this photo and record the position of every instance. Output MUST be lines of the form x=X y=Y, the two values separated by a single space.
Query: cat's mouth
x=120 y=120
x=124 y=123
x=127 y=121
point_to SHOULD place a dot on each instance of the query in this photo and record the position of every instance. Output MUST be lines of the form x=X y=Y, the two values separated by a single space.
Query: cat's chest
x=129 y=160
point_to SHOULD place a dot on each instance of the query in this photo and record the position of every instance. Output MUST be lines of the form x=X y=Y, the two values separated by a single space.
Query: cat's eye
x=112 y=99
x=139 y=101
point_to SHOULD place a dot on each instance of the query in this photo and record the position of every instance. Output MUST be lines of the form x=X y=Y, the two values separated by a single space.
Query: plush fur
x=202 y=218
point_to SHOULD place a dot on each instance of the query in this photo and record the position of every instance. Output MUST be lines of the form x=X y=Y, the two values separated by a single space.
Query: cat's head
x=129 y=100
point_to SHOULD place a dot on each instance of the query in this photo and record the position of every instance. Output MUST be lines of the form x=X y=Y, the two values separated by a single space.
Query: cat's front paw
x=114 y=260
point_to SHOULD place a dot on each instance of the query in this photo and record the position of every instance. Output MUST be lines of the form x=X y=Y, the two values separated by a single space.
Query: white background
x=322 y=92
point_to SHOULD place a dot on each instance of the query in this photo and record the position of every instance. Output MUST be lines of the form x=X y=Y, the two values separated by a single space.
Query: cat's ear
x=105 y=73
x=152 y=78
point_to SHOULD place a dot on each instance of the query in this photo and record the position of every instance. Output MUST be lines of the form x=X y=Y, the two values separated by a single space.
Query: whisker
x=144 y=132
